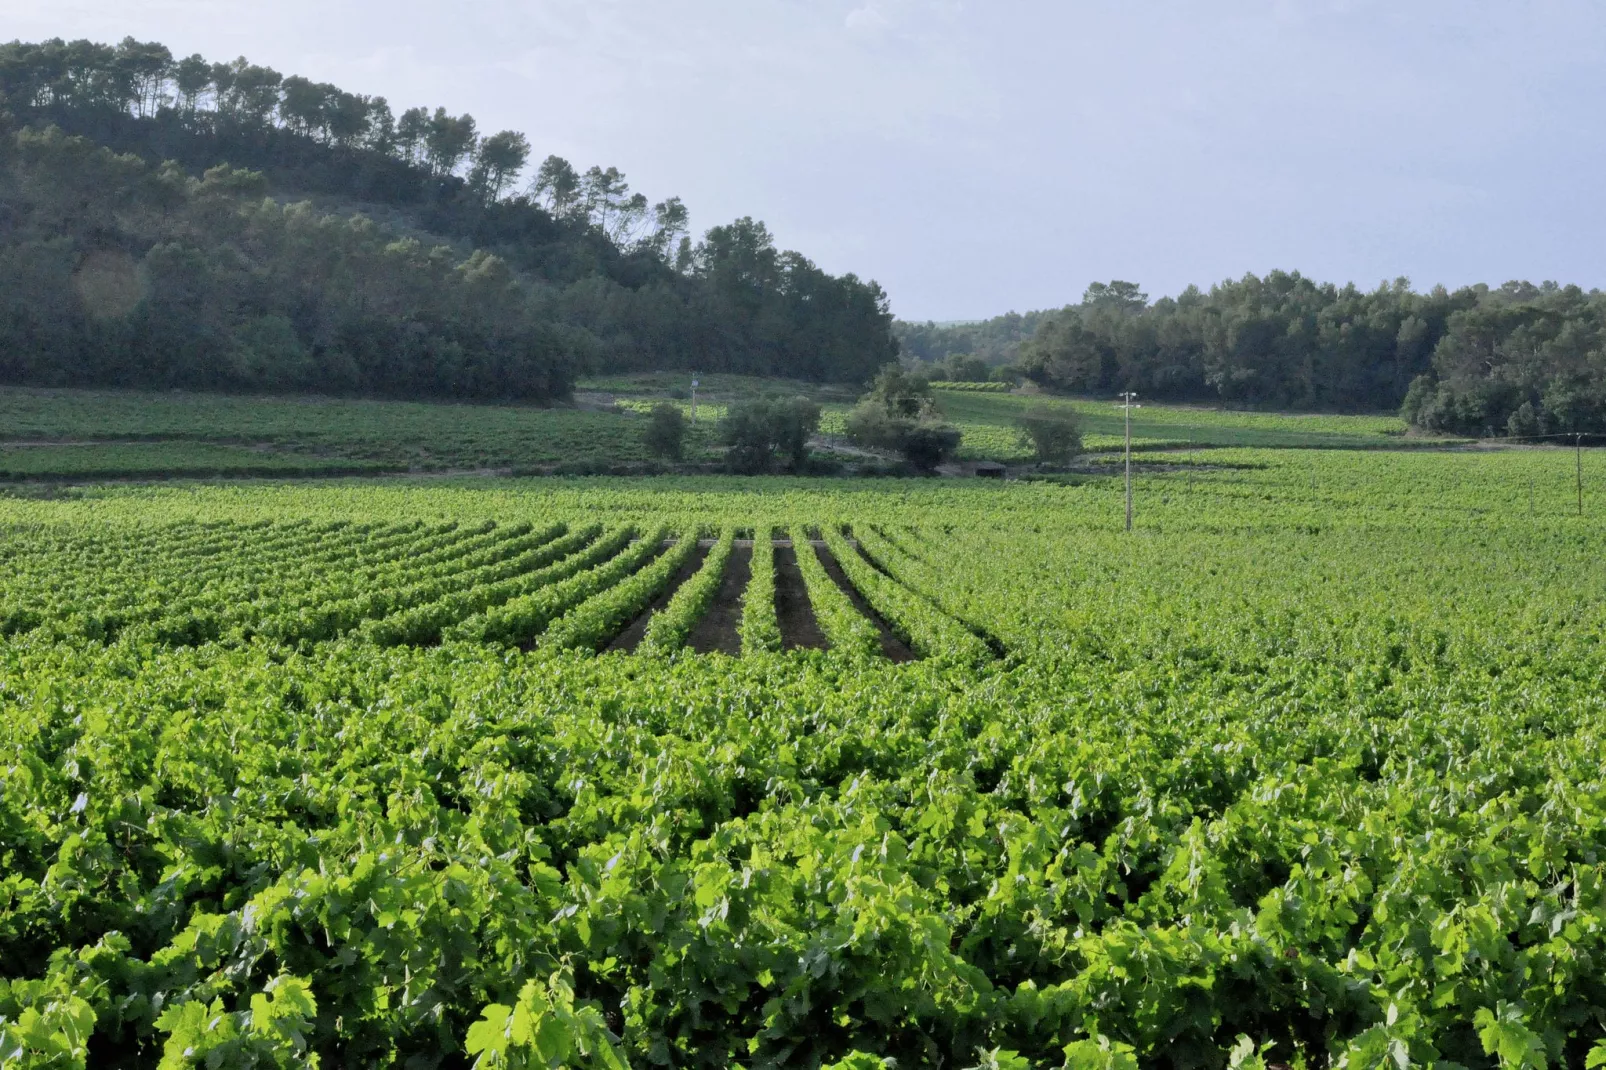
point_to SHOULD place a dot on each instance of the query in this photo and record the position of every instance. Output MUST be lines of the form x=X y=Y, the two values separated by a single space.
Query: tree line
x=605 y=279
x=1518 y=360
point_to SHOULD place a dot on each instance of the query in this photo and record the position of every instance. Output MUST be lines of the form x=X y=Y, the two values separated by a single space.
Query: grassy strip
x=852 y=637
x=667 y=630
x=522 y=619
x=932 y=633
x=425 y=624
x=760 y=628
x=598 y=619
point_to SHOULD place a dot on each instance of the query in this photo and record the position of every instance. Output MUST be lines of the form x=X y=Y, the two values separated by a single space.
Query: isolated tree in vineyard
x=1053 y=432
x=768 y=431
x=900 y=414
x=665 y=433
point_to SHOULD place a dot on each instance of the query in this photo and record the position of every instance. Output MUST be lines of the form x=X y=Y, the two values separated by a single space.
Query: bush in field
x=769 y=432
x=665 y=435
x=900 y=414
x=1052 y=432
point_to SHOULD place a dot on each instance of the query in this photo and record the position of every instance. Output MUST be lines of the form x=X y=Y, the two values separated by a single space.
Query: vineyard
x=1305 y=772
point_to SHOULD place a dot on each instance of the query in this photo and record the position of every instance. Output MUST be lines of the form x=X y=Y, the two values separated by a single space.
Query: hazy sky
x=976 y=157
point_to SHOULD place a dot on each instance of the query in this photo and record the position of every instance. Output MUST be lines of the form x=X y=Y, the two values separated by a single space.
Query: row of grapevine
x=209 y=605
x=593 y=622
x=520 y=620
x=897 y=559
x=852 y=637
x=760 y=631
x=225 y=605
x=670 y=626
x=412 y=587
x=562 y=558
x=111 y=598
x=931 y=632
x=365 y=568
x=972 y=387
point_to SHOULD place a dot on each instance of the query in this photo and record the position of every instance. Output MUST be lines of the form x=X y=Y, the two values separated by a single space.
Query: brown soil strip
x=630 y=638
x=799 y=628
x=718 y=631
x=892 y=648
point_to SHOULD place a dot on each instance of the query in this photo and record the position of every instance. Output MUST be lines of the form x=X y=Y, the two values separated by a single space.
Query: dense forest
x=995 y=342
x=1518 y=360
x=150 y=236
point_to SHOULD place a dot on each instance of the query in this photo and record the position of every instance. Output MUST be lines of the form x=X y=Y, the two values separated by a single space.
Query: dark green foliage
x=605 y=279
x=665 y=434
x=1524 y=361
x=925 y=444
x=1463 y=362
x=900 y=414
x=901 y=393
x=1052 y=431
x=768 y=432
x=994 y=341
x=959 y=368
x=112 y=273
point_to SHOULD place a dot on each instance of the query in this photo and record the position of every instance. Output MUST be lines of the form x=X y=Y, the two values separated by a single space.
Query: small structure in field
x=990 y=470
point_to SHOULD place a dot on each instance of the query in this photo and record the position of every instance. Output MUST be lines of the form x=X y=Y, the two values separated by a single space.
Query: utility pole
x=1578 y=454
x=693 y=397
x=1126 y=398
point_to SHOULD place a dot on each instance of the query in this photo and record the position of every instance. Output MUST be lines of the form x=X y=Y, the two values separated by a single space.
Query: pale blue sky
x=977 y=157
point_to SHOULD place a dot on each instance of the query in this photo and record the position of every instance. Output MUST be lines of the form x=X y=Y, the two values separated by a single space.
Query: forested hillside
x=1519 y=359
x=153 y=233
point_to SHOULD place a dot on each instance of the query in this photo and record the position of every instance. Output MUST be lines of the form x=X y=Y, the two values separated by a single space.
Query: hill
x=157 y=229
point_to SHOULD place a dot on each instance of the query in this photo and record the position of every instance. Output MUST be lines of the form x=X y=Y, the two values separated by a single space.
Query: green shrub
x=665 y=435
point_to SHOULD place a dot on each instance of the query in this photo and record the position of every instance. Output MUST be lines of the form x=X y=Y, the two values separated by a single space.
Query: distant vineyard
x=976 y=388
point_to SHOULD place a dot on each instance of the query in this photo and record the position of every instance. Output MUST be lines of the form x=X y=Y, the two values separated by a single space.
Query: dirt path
x=892 y=648
x=630 y=638
x=799 y=628
x=719 y=629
